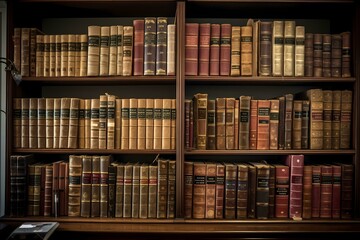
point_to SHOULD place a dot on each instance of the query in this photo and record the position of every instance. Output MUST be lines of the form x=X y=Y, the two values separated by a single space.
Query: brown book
x=41 y=117
x=153 y=192
x=230 y=191
x=144 y=191
x=128 y=44
x=271 y=191
x=297 y=124
x=335 y=119
x=278 y=48
x=274 y=124
x=83 y=54
x=119 y=190
x=57 y=115
x=73 y=136
x=235 y=50
x=56 y=189
x=139 y=28
x=262 y=190
x=49 y=122
x=104 y=50
x=173 y=124
x=166 y=125
x=281 y=135
x=347 y=188
x=161 y=45
x=188 y=188
x=326 y=191
x=346 y=54
x=39 y=67
x=33 y=123
x=128 y=181
x=289 y=101
x=103 y=121
x=255 y=45
x=25 y=52
x=219 y=191
x=244 y=124
x=125 y=114
x=199 y=190
x=118 y=126
x=215 y=49
x=263 y=126
x=17 y=48
x=112 y=191
x=307 y=192
x=87 y=123
x=210 y=187
x=191 y=48
x=204 y=48
x=229 y=123
x=289 y=48
x=33 y=189
x=133 y=121
x=150 y=46
x=149 y=129
x=265 y=49
x=110 y=131
x=315 y=191
x=187 y=114
x=252 y=185
x=220 y=123
x=309 y=54
x=94 y=124
x=336 y=192
x=162 y=191
x=141 y=124
x=32 y=52
x=305 y=124
x=242 y=190
x=171 y=52
x=253 y=123
x=120 y=50
x=75 y=170
x=236 y=124
x=158 y=116
x=316 y=118
x=318 y=48
x=86 y=175
x=135 y=191
x=48 y=189
x=200 y=120
x=104 y=184
x=326 y=55
x=345 y=119
x=328 y=101
x=17 y=122
x=71 y=55
x=64 y=122
x=64 y=54
x=93 y=62
x=95 y=186
x=25 y=122
x=282 y=191
x=246 y=43
x=225 y=49
x=299 y=51
x=336 y=53
x=170 y=209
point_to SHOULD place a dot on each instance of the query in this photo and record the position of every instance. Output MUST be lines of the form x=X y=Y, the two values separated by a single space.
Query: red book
x=215 y=50
x=336 y=190
x=326 y=191
x=191 y=49
x=225 y=50
x=315 y=191
x=204 y=49
x=253 y=123
x=263 y=127
x=219 y=191
x=139 y=26
x=296 y=165
x=281 y=191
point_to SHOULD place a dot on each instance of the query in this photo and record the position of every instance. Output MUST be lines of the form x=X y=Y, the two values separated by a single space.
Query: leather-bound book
x=296 y=165
x=33 y=123
x=281 y=136
x=188 y=188
x=64 y=55
x=171 y=50
x=24 y=122
x=252 y=191
x=135 y=191
x=119 y=190
x=33 y=190
x=104 y=185
x=71 y=55
x=315 y=191
x=153 y=185
x=120 y=50
x=199 y=190
x=83 y=54
x=191 y=125
x=271 y=191
x=191 y=48
x=220 y=123
x=255 y=45
x=265 y=49
x=307 y=192
x=81 y=142
x=336 y=192
x=328 y=101
x=139 y=33
x=262 y=190
x=326 y=55
x=318 y=49
x=309 y=54
x=158 y=118
x=57 y=114
x=225 y=49
x=229 y=123
x=125 y=109
x=282 y=188
x=25 y=52
x=161 y=45
x=112 y=191
x=110 y=131
x=17 y=47
x=56 y=189
x=141 y=124
x=326 y=191
x=73 y=123
x=104 y=50
x=305 y=124
x=39 y=68
x=200 y=120
x=230 y=191
x=46 y=56
x=34 y=32
x=345 y=119
x=94 y=124
x=335 y=119
x=244 y=122
x=16 y=122
x=215 y=49
x=118 y=123
x=95 y=186
x=87 y=123
x=253 y=123
x=235 y=50
x=75 y=169
x=210 y=190
x=149 y=129
x=246 y=43
x=336 y=52
x=166 y=125
x=41 y=122
x=170 y=209
x=296 y=124
x=204 y=49
x=211 y=125
x=64 y=122
x=346 y=54
x=58 y=55
x=128 y=182
x=48 y=190
x=133 y=121
x=236 y=124
x=316 y=118
x=77 y=55
x=173 y=125
x=274 y=124
x=150 y=46
x=242 y=191
x=161 y=203
x=299 y=51
x=289 y=100
x=219 y=191
x=42 y=189
x=263 y=126
x=113 y=50
x=103 y=121
x=278 y=48
x=347 y=188
x=128 y=45
x=144 y=191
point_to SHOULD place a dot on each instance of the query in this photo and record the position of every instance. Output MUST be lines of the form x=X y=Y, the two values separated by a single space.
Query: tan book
x=83 y=54
x=103 y=121
x=246 y=43
x=299 y=51
x=171 y=50
x=85 y=206
x=278 y=48
x=141 y=124
x=64 y=122
x=113 y=50
x=230 y=191
x=77 y=55
x=41 y=118
x=39 y=56
x=173 y=124
x=244 y=124
x=94 y=123
x=316 y=118
x=345 y=119
x=229 y=123
x=58 y=55
x=93 y=61
x=120 y=50
x=235 y=50
x=52 y=55
x=220 y=123
x=64 y=55
x=17 y=122
x=236 y=124
x=87 y=114
x=199 y=190
x=149 y=129
x=73 y=123
x=117 y=123
x=335 y=123
x=242 y=193
x=158 y=115
x=328 y=102
x=104 y=50
x=128 y=50
x=297 y=124
x=289 y=48
x=274 y=124
x=144 y=191
x=81 y=136
x=32 y=50
x=166 y=125
x=25 y=52
x=57 y=114
x=71 y=55
x=125 y=108
x=75 y=171
x=110 y=133
x=133 y=123
x=33 y=123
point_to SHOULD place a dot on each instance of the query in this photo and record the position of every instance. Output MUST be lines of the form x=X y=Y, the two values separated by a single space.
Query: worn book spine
x=57 y=113
x=32 y=51
x=188 y=188
x=158 y=115
x=246 y=43
x=120 y=50
x=336 y=192
x=336 y=51
x=242 y=190
x=141 y=132
x=93 y=62
x=199 y=190
x=75 y=170
x=95 y=186
x=211 y=125
x=210 y=190
x=171 y=50
x=25 y=52
x=133 y=123
x=235 y=50
x=149 y=124
x=236 y=124
x=326 y=191
x=81 y=136
x=125 y=109
x=225 y=49
x=326 y=55
x=17 y=48
x=162 y=191
x=265 y=49
x=150 y=46
x=289 y=106
x=309 y=54
x=315 y=191
x=170 y=209
x=161 y=45
x=252 y=191
x=87 y=125
x=328 y=101
x=335 y=119
x=281 y=137
x=110 y=133
x=119 y=190
x=117 y=137
x=113 y=50
x=204 y=48
x=33 y=123
x=41 y=122
x=64 y=55
x=166 y=125
x=230 y=191
x=307 y=190
x=253 y=124
x=296 y=124
x=153 y=185
x=289 y=48
x=144 y=191
x=318 y=48
x=191 y=49
x=263 y=125
x=103 y=121
x=104 y=50
x=71 y=55
x=278 y=48
x=46 y=52
x=274 y=124
x=316 y=118
x=219 y=191
x=345 y=119
x=229 y=123
x=200 y=120
x=214 y=67
x=255 y=45
x=104 y=185
x=299 y=51
x=139 y=28
x=305 y=124
x=94 y=123
x=220 y=123
x=173 y=125
x=244 y=122
x=77 y=55
x=271 y=192
x=128 y=43
x=83 y=54
x=52 y=55
x=347 y=187
x=48 y=190
x=17 y=122
x=112 y=191
x=64 y=122
x=262 y=190
x=346 y=54
x=73 y=136
x=58 y=55
x=282 y=191
x=39 y=72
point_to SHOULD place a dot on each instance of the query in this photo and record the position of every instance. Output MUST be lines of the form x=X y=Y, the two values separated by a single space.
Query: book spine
x=93 y=63
x=25 y=52
x=71 y=55
x=225 y=49
x=57 y=114
x=17 y=48
x=309 y=54
x=230 y=191
x=64 y=54
x=315 y=191
x=335 y=119
x=64 y=122
x=41 y=122
x=39 y=69
x=274 y=124
x=229 y=123
x=244 y=122
x=210 y=190
x=170 y=210
x=318 y=48
x=345 y=119
x=104 y=185
x=73 y=136
x=161 y=45
x=235 y=50
x=219 y=191
x=326 y=55
x=150 y=46
x=327 y=95
x=119 y=190
x=141 y=132
x=46 y=57
x=113 y=54
x=242 y=191
x=253 y=124
x=149 y=129
x=336 y=192
x=75 y=169
x=144 y=191
x=199 y=190
x=135 y=191
x=133 y=123
x=103 y=121
x=33 y=123
x=87 y=113
x=296 y=125
x=128 y=181
x=200 y=120
x=346 y=54
x=307 y=192
x=153 y=192
x=158 y=115
x=336 y=51
x=139 y=32
x=173 y=124
x=171 y=52
x=246 y=42
x=161 y=203
x=77 y=55
x=220 y=123
x=214 y=67
x=191 y=48
x=48 y=190
x=118 y=122
x=16 y=114
x=95 y=186
x=120 y=50
x=305 y=124
x=125 y=114
x=265 y=48
x=52 y=55
x=32 y=53
x=188 y=188
x=110 y=133
x=263 y=125
x=58 y=55
x=347 y=187
x=278 y=48
x=289 y=101
x=299 y=51
x=204 y=49
x=282 y=191
x=104 y=50
x=112 y=191
x=128 y=43
x=262 y=191
x=326 y=191
x=94 y=123
x=166 y=125
x=316 y=118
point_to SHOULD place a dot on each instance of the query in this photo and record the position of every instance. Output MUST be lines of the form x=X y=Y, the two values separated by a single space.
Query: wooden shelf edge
x=90 y=151
x=270 y=152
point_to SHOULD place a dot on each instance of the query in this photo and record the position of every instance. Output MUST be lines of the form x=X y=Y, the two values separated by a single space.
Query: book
x=128 y=43
x=133 y=123
x=211 y=125
x=214 y=67
x=39 y=69
x=229 y=123
x=188 y=188
x=111 y=124
x=346 y=54
x=64 y=122
x=49 y=122
x=278 y=48
x=242 y=191
x=149 y=124
x=119 y=189
x=219 y=191
x=93 y=62
x=326 y=55
x=150 y=46
x=309 y=55
x=125 y=116
x=170 y=209
x=158 y=118
x=135 y=191
x=94 y=123
x=336 y=53
x=103 y=103
x=315 y=191
x=225 y=49
x=71 y=55
x=113 y=54
x=33 y=123
x=282 y=192
x=235 y=50
x=274 y=124
x=25 y=52
x=204 y=48
x=253 y=124
x=153 y=190
x=171 y=50
x=166 y=125
x=75 y=170
x=161 y=45
x=244 y=122
x=297 y=124
x=289 y=48
x=317 y=49
x=210 y=187
x=299 y=68
x=199 y=190
x=162 y=190
x=141 y=124
x=120 y=50
x=220 y=123
x=104 y=184
x=17 y=122
x=64 y=55
x=41 y=122
x=345 y=119
x=191 y=48
x=315 y=96
x=327 y=123
x=138 y=60
x=200 y=120
x=265 y=49
x=104 y=50
x=307 y=192
x=230 y=191
x=73 y=135
x=263 y=125
x=144 y=191
x=246 y=43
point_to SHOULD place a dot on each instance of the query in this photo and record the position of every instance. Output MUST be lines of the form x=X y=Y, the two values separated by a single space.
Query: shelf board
x=270 y=152
x=265 y=80
x=89 y=151
x=108 y=80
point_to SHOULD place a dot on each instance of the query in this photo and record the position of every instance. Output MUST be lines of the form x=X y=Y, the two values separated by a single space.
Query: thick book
x=229 y=123
x=112 y=191
x=33 y=123
x=316 y=128
x=46 y=56
x=119 y=190
x=128 y=43
x=282 y=191
x=120 y=50
x=41 y=122
x=211 y=125
x=345 y=119
x=104 y=184
x=25 y=52
x=135 y=191
x=64 y=55
x=86 y=193
x=315 y=191
x=128 y=181
x=188 y=188
x=289 y=48
x=346 y=54
x=225 y=49
x=64 y=122
x=336 y=192
x=200 y=120
x=220 y=123
x=263 y=125
x=118 y=126
x=191 y=49
x=307 y=192
x=149 y=124
x=328 y=102
x=242 y=191
x=317 y=49
x=58 y=55
x=113 y=50
x=141 y=124
x=235 y=50
x=75 y=171
x=265 y=42
x=162 y=191
x=153 y=192
x=326 y=55
x=49 y=122
x=144 y=190
x=230 y=191
x=274 y=124
x=278 y=48
x=347 y=188
x=161 y=45
x=262 y=190
x=71 y=55
x=125 y=108
x=139 y=32
x=214 y=66
x=73 y=135
x=150 y=46
x=95 y=186
x=39 y=68
x=210 y=188
x=253 y=124
x=244 y=122
x=335 y=119
x=16 y=122
x=326 y=191
x=166 y=124
x=246 y=43
x=199 y=190
x=336 y=52
x=204 y=48
x=170 y=209
x=297 y=124
x=104 y=50
x=171 y=50
x=299 y=68
x=133 y=123
x=309 y=55
x=219 y=191
x=158 y=119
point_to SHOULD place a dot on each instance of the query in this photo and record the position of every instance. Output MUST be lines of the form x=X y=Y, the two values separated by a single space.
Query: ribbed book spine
x=215 y=50
x=139 y=32
x=265 y=48
x=171 y=50
x=225 y=49
x=246 y=42
x=191 y=49
x=161 y=45
x=150 y=46
x=299 y=51
x=93 y=66
x=289 y=48
x=204 y=49
x=235 y=50
x=128 y=50
x=278 y=48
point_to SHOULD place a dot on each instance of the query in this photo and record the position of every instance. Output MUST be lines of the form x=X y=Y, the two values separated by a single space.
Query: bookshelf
x=325 y=16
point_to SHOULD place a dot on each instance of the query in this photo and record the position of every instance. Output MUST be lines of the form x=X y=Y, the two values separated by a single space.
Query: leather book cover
x=307 y=192
x=265 y=48
x=144 y=191
x=191 y=133
x=64 y=122
x=336 y=53
x=150 y=46
x=230 y=191
x=173 y=124
x=246 y=43
x=328 y=102
x=188 y=188
x=104 y=50
x=236 y=123
x=128 y=44
x=191 y=49
x=75 y=170
x=219 y=191
x=94 y=123
x=225 y=49
x=211 y=125
x=112 y=191
x=120 y=50
x=305 y=124
x=39 y=66
x=278 y=48
x=315 y=191
x=86 y=175
x=220 y=123
x=166 y=125
x=282 y=190
x=149 y=124
x=33 y=123
x=335 y=119
x=316 y=118
x=204 y=48
x=244 y=122
x=81 y=135
x=162 y=191
x=161 y=45
x=345 y=119
x=31 y=186
x=252 y=191
x=17 y=47
x=64 y=54
x=170 y=210
x=336 y=192
x=326 y=191
x=16 y=114
x=135 y=191
x=326 y=55
x=318 y=61
x=263 y=126
x=71 y=55
x=102 y=121
x=139 y=33
x=262 y=190
x=215 y=49
x=309 y=55
x=141 y=132
x=87 y=123
x=34 y=32
x=255 y=45
x=77 y=54
x=153 y=192
x=73 y=136
x=171 y=50
x=158 y=118
x=235 y=50
x=58 y=55
x=118 y=126
x=253 y=123
x=299 y=51
x=110 y=130
x=42 y=189
x=133 y=121
x=200 y=120
x=25 y=122
x=229 y=123
x=119 y=190
x=113 y=50
x=242 y=193
x=289 y=101
x=346 y=54
x=48 y=190
x=199 y=190
x=46 y=56
x=125 y=108
x=210 y=188
x=281 y=136
x=41 y=118
x=104 y=184
x=271 y=191
x=274 y=124
x=83 y=54
x=95 y=186
x=57 y=114
x=296 y=124
x=25 y=52
x=128 y=182
x=56 y=188
x=347 y=187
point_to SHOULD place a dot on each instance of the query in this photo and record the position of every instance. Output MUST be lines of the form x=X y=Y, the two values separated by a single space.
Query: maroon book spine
x=215 y=50
x=204 y=49
x=225 y=49
x=191 y=49
x=282 y=191
x=219 y=191
x=336 y=189
x=325 y=191
x=315 y=191
x=139 y=28
x=253 y=123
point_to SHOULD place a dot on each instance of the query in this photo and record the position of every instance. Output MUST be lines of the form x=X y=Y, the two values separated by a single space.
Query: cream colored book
x=93 y=67
x=141 y=123
x=83 y=54
x=158 y=115
x=113 y=50
x=278 y=48
x=64 y=54
x=133 y=121
x=289 y=48
x=71 y=55
x=104 y=50
x=149 y=135
x=94 y=124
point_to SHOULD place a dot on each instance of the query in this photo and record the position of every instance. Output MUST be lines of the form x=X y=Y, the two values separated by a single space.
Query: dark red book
x=191 y=49
x=282 y=186
x=215 y=50
x=204 y=49
x=253 y=123
x=315 y=191
x=225 y=49
x=336 y=192
x=219 y=191
x=139 y=26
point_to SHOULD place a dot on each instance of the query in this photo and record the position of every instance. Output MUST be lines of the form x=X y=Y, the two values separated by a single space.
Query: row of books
x=265 y=48
x=92 y=186
x=107 y=122
x=314 y=119
x=261 y=190
x=145 y=48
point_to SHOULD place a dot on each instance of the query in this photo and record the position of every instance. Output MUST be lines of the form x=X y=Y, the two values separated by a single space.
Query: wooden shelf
x=90 y=151
x=270 y=152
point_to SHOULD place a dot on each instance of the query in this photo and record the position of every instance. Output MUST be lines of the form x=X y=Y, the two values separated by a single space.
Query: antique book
x=150 y=46
x=103 y=103
x=263 y=125
x=135 y=191
x=141 y=124
x=271 y=192
x=316 y=118
x=48 y=190
x=56 y=189
x=242 y=191
x=104 y=50
x=289 y=102
x=73 y=136
x=282 y=192
x=220 y=123
x=161 y=45
x=25 y=122
x=171 y=50
x=315 y=191
x=120 y=50
x=225 y=49
x=200 y=120
x=144 y=190
x=64 y=122
x=191 y=48
x=83 y=54
x=265 y=41
x=336 y=192
x=138 y=60
x=95 y=186
x=162 y=191
x=188 y=188
x=235 y=50
x=236 y=123
x=58 y=55
x=94 y=123
x=113 y=50
x=75 y=170
x=346 y=54
x=25 y=52
x=33 y=123
x=229 y=123
x=173 y=124
x=77 y=54
x=309 y=54
x=307 y=192
x=214 y=67
x=170 y=209
x=49 y=122
x=104 y=184
x=93 y=62
x=230 y=191
x=46 y=56
x=41 y=122
x=57 y=114
x=17 y=47
x=326 y=55
x=204 y=48
x=125 y=113
x=149 y=124
x=305 y=124
x=110 y=130
x=119 y=190
x=118 y=126
x=328 y=102
x=246 y=43
x=71 y=55
x=244 y=122
x=87 y=127
x=166 y=125
x=128 y=44
x=347 y=188
x=199 y=190
x=326 y=191
x=33 y=189
x=112 y=191
x=299 y=68
x=262 y=190
x=345 y=119
x=278 y=48
x=16 y=114
x=274 y=124
x=255 y=45
x=158 y=116
x=297 y=124
x=133 y=121
x=219 y=191
x=335 y=119
x=281 y=136
x=252 y=191
x=210 y=188
x=336 y=53
x=187 y=110
x=34 y=32
x=253 y=124
x=211 y=125
x=318 y=48
x=39 y=68
x=64 y=55
x=153 y=192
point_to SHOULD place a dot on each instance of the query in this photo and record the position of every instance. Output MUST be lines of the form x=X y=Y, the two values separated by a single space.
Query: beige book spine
x=87 y=123
x=52 y=55
x=25 y=122
x=17 y=122
x=235 y=50
x=316 y=118
x=125 y=105
x=173 y=124
x=73 y=123
x=128 y=50
x=278 y=48
x=94 y=125
x=57 y=113
x=133 y=121
x=111 y=99
x=64 y=54
x=229 y=123
x=335 y=124
x=166 y=125
x=75 y=171
x=289 y=48
x=104 y=50
x=118 y=123
x=236 y=123
x=58 y=55
x=83 y=54
x=113 y=50
x=81 y=141
x=141 y=138
x=25 y=52
x=246 y=42
x=328 y=102
x=41 y=123
x=46 y=66
x=39 y=55
x=102 y=121
x=158 y=115
x=64 y=122
x=299 y=51
x=77 y=55
x=149 y=135
x=71 y=55
x=93 y=67
x=120 y=50
x=171 y=49
x=33 y=124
